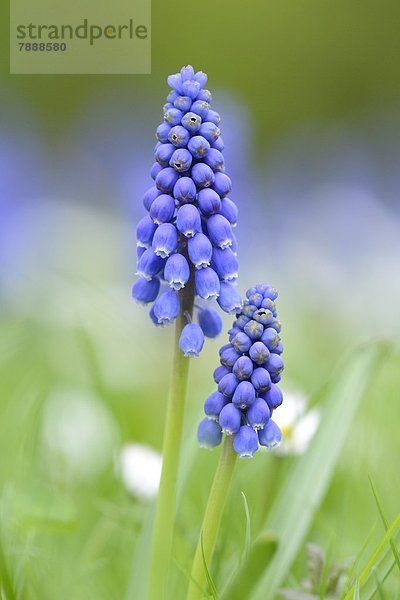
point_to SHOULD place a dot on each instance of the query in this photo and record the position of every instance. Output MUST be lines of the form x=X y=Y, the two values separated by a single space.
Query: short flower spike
x=187 y=236
x=247 y=379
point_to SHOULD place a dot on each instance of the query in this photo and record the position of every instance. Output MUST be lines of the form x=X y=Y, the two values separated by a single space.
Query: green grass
x=85 y=537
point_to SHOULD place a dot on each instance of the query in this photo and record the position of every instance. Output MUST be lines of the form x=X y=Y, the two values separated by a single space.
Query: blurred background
x=309 y=94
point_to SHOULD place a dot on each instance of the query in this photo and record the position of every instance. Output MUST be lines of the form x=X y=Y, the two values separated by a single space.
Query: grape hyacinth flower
x=251 y=367
x=186 y=246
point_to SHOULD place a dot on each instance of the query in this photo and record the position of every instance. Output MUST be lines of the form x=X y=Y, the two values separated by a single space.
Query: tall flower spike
x=247 y=379
x=186 y=238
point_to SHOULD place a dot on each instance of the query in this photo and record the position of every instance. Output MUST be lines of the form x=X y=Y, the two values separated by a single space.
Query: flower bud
x=222 y=184
x=244 y=395
x=176 y=271
x=163 y=154
x=253 y=329
x=225 y=263
x=183 y=103
x=191 y=88
x=191 y=122
x=187 y=73
x=213 y=117
x=185 y=190
x=259 y=353
x=201 y=78
x=214 y=404
x=245 y=442
x=270 y=435
x=243 y=368
x=210 y=322
x=261 y=380
x=209 y=434
x=162 y=132
x=220 y=372
x=150 y=196
x=209 y=201
x=218 y=144
x=207 y=283
x=181 y=160
x=167 y=307
x=162 y=209
x=145 y=231
x=165 y=240
x=228 y=385
x=258 y=414
x=155 y=169
x=205 y=95
x=229 y=299
x=229 y=211
x=273 y=397
x=264 y=316
x=219 y=231
x=188 y=220
x=173 y=116
x=191 y=340
x=274 y=364
x=228 y=355
x=149 y=264
x=210 y=131
x=198 y=146
x=178 y=136
x=175 y=82
x=201 y=108
x=270 y=338
x=230 y=419
x=241 y=342
x=166 y=179
x=215 y=160
x=202 y=175
x=146 y=290
x=200 y=250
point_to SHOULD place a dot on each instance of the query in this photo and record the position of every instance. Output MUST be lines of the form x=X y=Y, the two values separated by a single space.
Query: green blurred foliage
x=289 y=62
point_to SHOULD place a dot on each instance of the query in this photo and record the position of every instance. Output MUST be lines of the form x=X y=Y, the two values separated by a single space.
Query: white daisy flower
x=298 y=425
x=140 y=470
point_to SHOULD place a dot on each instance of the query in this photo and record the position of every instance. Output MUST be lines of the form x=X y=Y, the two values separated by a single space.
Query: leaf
x=249 y=571
x=366 y=571
x=378 y=584
x=306 y=485
x=247 y=539
x=385 y=567
x=210 y=581
x=138 y=578
x=384 y=520
x=356 y=595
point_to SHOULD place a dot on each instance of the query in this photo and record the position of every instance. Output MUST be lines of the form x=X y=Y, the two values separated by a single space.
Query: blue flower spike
x=186 y=237
x=247 y=378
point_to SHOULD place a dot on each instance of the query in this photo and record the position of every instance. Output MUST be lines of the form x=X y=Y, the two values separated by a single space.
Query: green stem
x=165 y=511
x=212 y=519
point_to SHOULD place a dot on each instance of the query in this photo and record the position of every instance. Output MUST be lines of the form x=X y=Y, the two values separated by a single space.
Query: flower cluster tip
x=247 y=378
x=187 y=233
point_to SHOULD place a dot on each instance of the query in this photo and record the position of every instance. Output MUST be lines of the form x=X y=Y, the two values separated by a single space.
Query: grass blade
x=379 y=588
x=250 y=570
x=384 y=520
x=305 y=487
x=366 y=571
x=247 y=539
x=210 y=581
x=356 y=595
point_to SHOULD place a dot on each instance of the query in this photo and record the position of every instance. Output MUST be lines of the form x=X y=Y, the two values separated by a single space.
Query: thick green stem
x=212 y=519
x=165 y=511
